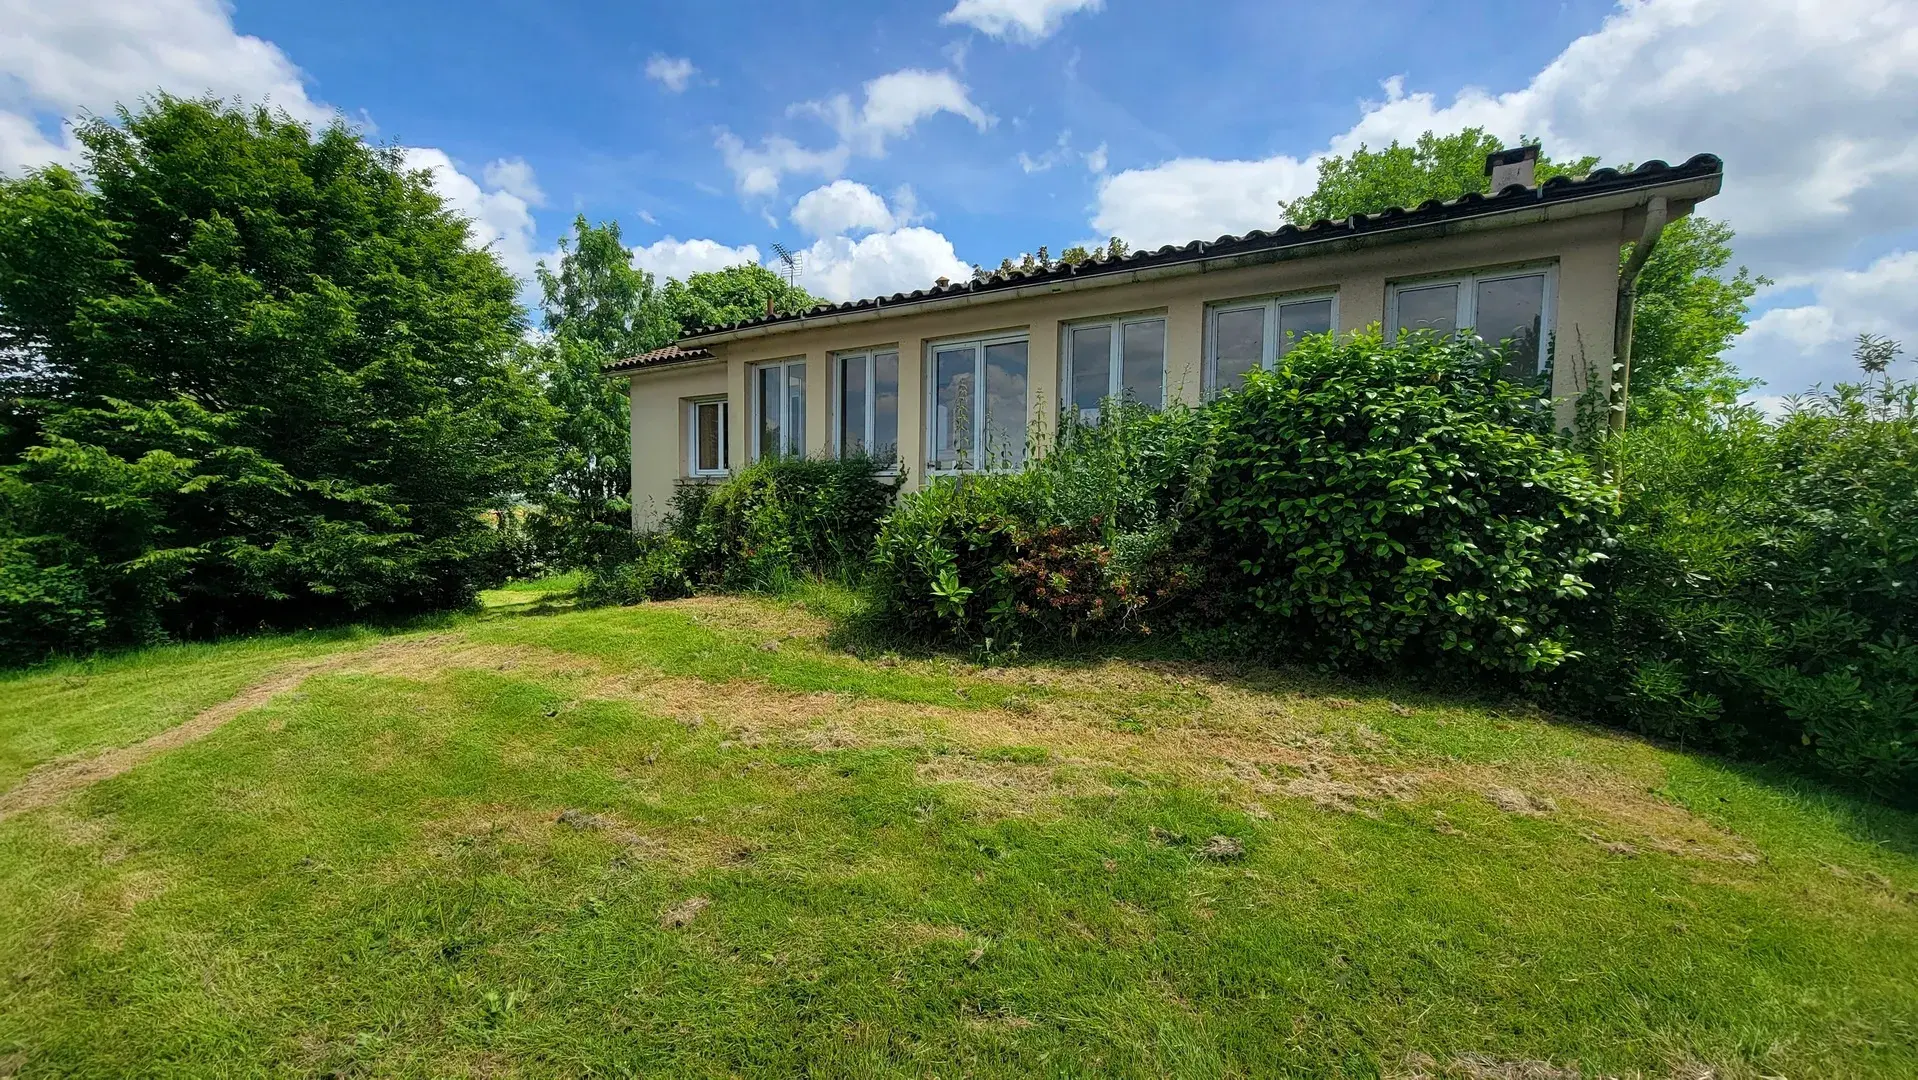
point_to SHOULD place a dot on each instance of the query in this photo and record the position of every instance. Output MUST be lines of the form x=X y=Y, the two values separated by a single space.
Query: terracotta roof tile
x=661 y=357
x=1514 y=197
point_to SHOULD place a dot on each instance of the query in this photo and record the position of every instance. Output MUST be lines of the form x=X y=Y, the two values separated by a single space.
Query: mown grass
x=910 y=866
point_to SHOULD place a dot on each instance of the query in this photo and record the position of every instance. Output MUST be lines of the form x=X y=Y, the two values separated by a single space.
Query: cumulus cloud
x=498 y=217
x=840 y=268
x=671 y=258
x=843 y=206
x=1809 y=105
x=59 y=59
x=1792 y=346
x=1026 y=21
x=672 y=72
x=893 y=104
x=515 y=176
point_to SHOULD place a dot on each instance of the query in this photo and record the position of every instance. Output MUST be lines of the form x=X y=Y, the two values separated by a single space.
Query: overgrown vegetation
x=1361 y=504
x=773 y=524
x=253 y=374
x=1765 y=594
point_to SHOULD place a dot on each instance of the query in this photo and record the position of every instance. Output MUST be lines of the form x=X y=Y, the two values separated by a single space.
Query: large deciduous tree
x=254 y=374
x=1690 y=306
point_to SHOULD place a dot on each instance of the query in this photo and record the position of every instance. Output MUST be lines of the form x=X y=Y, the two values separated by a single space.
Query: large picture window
x=706 y=437
x=976 y=404
x=868 y=404
x=1246 y=334
x=1114 y=358
x=1510 y=310
x=779 y=408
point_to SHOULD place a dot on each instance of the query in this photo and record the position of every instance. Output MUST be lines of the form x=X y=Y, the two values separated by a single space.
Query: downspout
x=1656 y=215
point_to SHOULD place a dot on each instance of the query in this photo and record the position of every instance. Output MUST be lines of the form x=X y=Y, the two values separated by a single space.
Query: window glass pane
x=1298 y=320
x=795 y=409
x=710 y=436
x=768 y=407
x=952 y=407
x=885 y=406
x=1434 y=308
x=1091 y=369
x=1006 y=405
x=852 y=405
x=1142 y=360
x=1510 y=317
x=1239 y=346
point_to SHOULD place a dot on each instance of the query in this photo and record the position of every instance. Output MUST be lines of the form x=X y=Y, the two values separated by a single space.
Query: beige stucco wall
x=660 y=443
x=1584 y=249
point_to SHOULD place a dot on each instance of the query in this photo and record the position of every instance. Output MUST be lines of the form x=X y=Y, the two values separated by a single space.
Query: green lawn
x=778 y=858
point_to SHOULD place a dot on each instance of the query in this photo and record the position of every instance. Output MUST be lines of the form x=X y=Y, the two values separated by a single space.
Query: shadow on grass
x=1878 y=818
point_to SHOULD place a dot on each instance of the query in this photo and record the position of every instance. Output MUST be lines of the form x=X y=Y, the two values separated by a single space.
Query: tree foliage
x=717 y=297
x=254 y=374
x=1690 y=305
x=1765 y=594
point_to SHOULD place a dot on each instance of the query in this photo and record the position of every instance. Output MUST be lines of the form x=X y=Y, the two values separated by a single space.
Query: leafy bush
x=1402 y=503
x=1362 y=504
x=1766 y=590
x=1080 y=542
x=250 y=374
x=766 y=527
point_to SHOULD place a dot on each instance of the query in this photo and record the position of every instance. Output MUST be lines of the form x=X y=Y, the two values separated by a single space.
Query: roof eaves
x=1513 y=198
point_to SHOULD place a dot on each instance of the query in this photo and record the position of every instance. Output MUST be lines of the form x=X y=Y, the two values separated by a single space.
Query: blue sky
x=898 y=141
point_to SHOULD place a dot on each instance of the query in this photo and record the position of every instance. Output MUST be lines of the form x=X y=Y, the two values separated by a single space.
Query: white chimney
x=1514 y=166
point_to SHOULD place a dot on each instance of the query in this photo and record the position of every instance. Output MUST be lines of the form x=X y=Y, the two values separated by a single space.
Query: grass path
x=694 y=839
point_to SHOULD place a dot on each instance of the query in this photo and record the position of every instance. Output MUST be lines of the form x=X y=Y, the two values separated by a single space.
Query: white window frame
x=693 y=405
x=871 y=355
x=1271 y=305
x=1115 y=359
x=1468 y=284
x=929 y=381
x=785 y=405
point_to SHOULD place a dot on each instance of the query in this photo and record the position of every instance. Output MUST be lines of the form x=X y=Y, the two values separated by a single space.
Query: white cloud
x=838 y=268
x=893 y=105
x=1809 y=104
x=1061 y=152
x=1197 y=198
x=672 y=72
x=499 y=218
x=758 y=170
x=1027 y=21
x=647 y=217
x=842 y=206
x=1793 y=346
x=58 y=59
x=515 y=176
x=671 y=258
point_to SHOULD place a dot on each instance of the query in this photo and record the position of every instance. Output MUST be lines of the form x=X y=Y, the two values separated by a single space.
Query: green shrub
x=1765 y=594
x=1375 y=503
x=763 y=529
x=646 y=566
x=1080 y=542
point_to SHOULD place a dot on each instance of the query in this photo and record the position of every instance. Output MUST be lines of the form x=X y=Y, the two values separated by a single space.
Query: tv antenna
x=794 y=262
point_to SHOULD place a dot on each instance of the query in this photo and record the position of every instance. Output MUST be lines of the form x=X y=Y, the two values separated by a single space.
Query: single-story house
x=952 y=378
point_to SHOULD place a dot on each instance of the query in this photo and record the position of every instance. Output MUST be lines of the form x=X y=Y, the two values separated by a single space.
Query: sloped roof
x=1559 y=189
x=661 y=357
